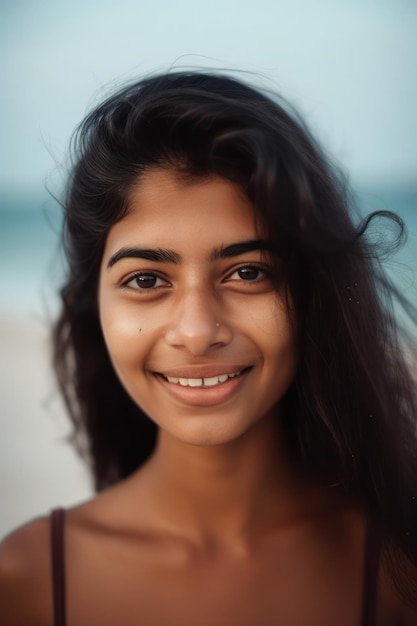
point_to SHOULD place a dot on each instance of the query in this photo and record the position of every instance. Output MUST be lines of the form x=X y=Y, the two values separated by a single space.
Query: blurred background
x=350 y=68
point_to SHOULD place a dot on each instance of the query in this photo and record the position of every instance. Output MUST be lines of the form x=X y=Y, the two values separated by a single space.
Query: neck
x=235 y=489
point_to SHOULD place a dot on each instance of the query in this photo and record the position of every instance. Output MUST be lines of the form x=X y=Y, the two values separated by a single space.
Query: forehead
x=165 y=210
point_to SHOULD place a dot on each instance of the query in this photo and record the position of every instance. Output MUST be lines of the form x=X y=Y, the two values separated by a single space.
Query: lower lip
x=205 y=396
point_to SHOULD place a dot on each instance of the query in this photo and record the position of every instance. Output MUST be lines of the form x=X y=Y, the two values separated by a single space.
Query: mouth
x=204 y=382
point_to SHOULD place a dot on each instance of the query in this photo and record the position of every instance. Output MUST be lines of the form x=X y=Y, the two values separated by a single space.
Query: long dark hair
x=352 y=408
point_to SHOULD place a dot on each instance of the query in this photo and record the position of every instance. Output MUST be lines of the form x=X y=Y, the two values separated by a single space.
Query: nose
x=198 y=323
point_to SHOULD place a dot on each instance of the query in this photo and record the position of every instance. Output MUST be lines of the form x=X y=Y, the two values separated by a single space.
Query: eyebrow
x=236 y=249
x=159 y=255
x=163 y=255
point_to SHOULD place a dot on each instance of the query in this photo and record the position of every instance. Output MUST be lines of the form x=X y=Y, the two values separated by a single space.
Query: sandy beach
x=38 y=468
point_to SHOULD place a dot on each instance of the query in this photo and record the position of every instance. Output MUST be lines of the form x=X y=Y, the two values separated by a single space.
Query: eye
x=145 y=281
x=249 y=273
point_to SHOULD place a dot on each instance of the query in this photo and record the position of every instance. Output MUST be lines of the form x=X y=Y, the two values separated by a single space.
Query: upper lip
x=201 y=371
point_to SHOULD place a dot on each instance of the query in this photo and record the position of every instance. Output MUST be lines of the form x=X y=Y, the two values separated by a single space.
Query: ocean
x=31 y=267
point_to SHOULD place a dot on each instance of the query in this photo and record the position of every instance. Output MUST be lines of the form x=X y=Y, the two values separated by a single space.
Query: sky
x=349 y=66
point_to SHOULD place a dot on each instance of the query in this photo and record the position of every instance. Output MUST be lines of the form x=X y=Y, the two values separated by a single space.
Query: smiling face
x=198 y=335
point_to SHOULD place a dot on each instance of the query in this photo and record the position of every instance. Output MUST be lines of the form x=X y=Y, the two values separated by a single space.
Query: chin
x=221 y=431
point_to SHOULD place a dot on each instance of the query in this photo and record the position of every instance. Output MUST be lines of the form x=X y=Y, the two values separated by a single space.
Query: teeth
x=195 y=382
x=200 y=382
x=210 y=382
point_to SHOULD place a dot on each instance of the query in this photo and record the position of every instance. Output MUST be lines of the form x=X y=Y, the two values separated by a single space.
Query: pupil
x=249 y=273
x=145 y=281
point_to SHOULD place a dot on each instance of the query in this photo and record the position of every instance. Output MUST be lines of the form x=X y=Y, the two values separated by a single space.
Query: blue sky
x=350 y=66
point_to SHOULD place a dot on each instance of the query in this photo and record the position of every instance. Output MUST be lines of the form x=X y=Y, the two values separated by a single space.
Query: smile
x=211 y=381
x=204 y=387
x=203 y=381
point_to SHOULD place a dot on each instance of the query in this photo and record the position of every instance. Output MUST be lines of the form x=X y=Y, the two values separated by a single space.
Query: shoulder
x=25 y=588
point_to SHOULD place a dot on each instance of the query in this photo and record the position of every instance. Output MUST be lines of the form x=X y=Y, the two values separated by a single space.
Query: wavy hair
x=351 y=411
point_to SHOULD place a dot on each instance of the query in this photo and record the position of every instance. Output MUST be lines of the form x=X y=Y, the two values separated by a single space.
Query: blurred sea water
x=31 y=264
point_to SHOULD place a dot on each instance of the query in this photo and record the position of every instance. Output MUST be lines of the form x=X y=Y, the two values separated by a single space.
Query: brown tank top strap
x=57 y=526
x=371 y=570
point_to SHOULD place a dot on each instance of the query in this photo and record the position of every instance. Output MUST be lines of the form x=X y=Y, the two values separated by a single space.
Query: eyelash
x=263 y=271
x=139 y=275
x=265 y=275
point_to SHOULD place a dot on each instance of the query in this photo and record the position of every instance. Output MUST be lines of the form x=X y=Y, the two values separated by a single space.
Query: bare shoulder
x=25 y=587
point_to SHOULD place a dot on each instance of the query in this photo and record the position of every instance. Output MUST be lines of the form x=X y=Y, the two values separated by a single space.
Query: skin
x=201 y=319
x=219 y=527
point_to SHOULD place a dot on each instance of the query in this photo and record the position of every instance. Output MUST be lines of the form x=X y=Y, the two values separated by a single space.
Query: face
x=197 y=334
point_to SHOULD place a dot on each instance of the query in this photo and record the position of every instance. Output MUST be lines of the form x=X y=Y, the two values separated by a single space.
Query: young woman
x=232 y=367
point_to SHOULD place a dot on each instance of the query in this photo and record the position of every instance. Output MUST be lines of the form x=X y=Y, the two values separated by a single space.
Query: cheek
x=275 y=323
x=124 y=334
x=282 y=346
